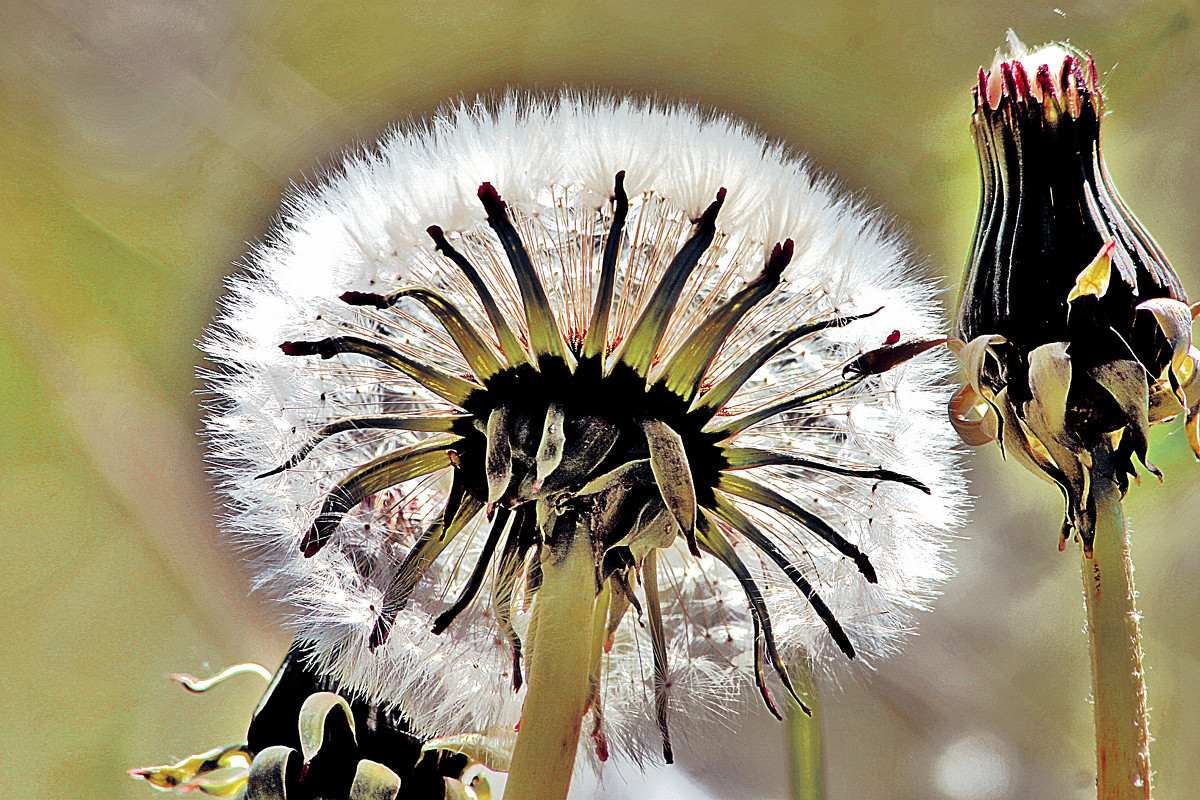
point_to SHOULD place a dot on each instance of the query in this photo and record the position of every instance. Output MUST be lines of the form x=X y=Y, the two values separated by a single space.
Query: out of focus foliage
x=143 y=143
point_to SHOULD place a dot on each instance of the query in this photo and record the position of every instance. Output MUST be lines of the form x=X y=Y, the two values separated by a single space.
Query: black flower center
x=554 y=432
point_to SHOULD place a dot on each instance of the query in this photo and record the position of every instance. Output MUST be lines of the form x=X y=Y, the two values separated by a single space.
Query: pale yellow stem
x=806 y=763
x=1118 y=681
x=558 y=679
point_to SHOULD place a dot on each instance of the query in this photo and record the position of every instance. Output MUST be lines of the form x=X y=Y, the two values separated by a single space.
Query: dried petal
x=973 y=418
x=498 y=459
x=669 y=462
x=374 y=781
x=1095 y=276
x=550 y=450
x=323 y=713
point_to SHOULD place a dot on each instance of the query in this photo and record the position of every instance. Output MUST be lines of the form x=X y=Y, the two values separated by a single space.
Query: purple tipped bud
x=492 y=203
x=325 y=348
x=366 y=299
x=299 y=348
x=890 y=356
x=709 y=218
x=311 y=544
x=781 y=256
x=1059 y=270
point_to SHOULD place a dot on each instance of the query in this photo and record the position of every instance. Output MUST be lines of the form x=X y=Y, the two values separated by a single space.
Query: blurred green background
x=144 y=143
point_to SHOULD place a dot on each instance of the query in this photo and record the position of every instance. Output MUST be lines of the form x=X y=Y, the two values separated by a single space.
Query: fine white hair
x=553 y=161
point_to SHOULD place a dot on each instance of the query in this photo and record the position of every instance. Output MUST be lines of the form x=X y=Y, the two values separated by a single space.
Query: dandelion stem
x=806 y=762
x=1118 y=681
x=559 y=668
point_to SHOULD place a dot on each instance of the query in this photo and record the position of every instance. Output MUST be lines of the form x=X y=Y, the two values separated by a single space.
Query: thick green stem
x=1118 y=681
x=559 y=667
x=806 y=763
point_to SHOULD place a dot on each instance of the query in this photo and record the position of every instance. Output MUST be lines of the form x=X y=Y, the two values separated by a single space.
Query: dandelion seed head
x=366 y=229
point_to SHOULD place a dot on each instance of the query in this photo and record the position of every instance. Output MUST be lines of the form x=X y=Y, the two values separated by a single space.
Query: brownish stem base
x=1118 y=680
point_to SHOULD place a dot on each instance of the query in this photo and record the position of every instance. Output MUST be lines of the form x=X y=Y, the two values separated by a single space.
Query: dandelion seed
x=487 y=335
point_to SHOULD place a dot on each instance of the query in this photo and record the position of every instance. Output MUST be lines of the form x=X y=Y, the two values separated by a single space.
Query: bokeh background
x=143 y=143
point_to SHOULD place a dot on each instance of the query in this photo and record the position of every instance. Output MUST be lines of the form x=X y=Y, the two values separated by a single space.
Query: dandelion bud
x=305 y=740
x=1076 y=328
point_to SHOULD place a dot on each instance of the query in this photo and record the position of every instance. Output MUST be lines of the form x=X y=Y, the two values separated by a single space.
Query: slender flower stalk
x=559 y=690
x=1077 y=339
x=806 y=756
x=1115 y=644
x=575 y=416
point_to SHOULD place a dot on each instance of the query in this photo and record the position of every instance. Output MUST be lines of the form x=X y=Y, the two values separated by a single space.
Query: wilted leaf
x=972 y=417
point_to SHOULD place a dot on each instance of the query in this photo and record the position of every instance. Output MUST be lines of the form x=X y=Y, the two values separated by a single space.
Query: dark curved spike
x=510 y=345
x=751 y=457
x=456 y=495
x=475 y=579
x=466 y=338
x=597 y=334
x=544 y=335
x=437 y=380
x=643 y=340
x=758 y=673
x=372 y=299
x=621 y=584
x=686 y=368
x=620 y=599
x=733 y=428
x=658 y=641
x=512 y=559
x=383 y=473
x=712 y=541
x=424 y=552
x=439 y=424
x=769 y=498
x=735 y=519
x=891 y=355
x=711 y=401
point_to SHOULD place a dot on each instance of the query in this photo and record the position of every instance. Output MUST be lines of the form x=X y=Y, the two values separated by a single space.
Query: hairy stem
x=1118 y=681
x=559 y=667
x=806 y=763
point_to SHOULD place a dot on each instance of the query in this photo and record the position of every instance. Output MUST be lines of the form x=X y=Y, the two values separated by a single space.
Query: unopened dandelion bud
x=1071 y=317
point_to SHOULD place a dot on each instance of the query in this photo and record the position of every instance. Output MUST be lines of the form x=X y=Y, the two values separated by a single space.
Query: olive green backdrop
x=143 y=143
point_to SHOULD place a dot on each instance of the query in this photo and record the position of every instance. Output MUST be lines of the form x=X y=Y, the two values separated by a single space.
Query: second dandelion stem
x=558 y=668
x=1118 y=682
